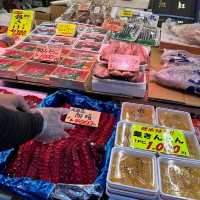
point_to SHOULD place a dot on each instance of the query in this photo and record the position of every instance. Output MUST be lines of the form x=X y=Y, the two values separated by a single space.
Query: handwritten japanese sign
x=159 y=139
x=68 y=30
x=83 y=117
x=49 y=53
x=21 y=23
x=126 y=13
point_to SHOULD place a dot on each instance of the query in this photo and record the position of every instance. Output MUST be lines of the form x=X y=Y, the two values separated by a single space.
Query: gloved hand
x=53 y=127
x=14 y=102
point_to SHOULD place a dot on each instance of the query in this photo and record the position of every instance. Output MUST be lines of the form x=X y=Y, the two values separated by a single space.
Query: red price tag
x=83 y=117
x=48 y=53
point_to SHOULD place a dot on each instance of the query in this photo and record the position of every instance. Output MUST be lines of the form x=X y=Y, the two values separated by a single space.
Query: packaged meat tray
x=196 y=123
x=77 y=64
x=90 y=37
x=17 y=54
x=88 y=46
x=37 y=39
x=81 y=55
x=132 y=112
x=26 y=46
x=172 y=142
x=174 y=119
x=119 y=87
x=96 y=30
x=65 y=51
x=133 y=171
x=70 y=78
x=44 y=30
x=124 y=48
x=36 y=72
x=8 y=67
x=59 y=40
x=179 y=179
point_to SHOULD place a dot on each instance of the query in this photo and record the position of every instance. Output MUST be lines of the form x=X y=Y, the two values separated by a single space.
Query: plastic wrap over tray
x=38 y=189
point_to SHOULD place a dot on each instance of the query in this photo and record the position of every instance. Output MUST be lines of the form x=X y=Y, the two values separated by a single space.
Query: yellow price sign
x=161 y=140
x=126 y=13
x=21 y=23
x=64 y=29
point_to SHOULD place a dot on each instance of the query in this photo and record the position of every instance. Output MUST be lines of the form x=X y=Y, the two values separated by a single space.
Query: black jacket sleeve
x=18 y=127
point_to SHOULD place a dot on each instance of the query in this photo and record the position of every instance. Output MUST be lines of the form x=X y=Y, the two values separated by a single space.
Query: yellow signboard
x=65 y=29
x=161 y=140
x=126 y=13
x=21 y=23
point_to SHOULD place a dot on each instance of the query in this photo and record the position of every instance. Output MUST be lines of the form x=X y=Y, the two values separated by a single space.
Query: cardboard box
x=42 y=14
x=164 y=94
x=56 y=11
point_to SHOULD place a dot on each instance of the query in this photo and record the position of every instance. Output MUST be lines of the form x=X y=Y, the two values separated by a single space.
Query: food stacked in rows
x=72 y=69
x=163 y=169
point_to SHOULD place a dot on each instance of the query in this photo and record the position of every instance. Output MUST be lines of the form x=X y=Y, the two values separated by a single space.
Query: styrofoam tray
x=143 y=105
x=176 y=111
x=119 y=186
x=134 y=195
x=119 y=87
x=177 y=161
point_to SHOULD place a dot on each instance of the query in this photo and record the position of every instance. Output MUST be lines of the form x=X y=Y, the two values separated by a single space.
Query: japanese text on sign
x=83 y=117
x=159 y=139
x=126 y=13
x=68 y=30
x=21 y=23
x=49 y=53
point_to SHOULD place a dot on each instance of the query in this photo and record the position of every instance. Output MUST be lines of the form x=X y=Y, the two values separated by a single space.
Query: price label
x=83 y=117
x=126 y=13
x=21 y=23
x=48 y=53
x=97 y=10
x=68 y=30
x=159 y=139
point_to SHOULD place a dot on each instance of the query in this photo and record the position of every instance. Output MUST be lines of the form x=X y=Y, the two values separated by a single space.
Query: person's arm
x=18 y=127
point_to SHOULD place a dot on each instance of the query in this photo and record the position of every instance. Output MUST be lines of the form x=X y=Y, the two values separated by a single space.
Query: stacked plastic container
x=140 y=174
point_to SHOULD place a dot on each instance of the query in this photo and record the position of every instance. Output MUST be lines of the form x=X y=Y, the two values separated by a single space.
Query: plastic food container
x=26 y=46
x=133 y=112
x=92 y=37
x=179 y=179
x=174 y=119
x=37 y=39
x=133 y=171
x=36 y=72
x=44 y=30
x=59 y=40
x=17 y=54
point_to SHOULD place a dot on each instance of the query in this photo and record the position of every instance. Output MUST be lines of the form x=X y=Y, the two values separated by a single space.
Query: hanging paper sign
x=126 y=13
x=49 y=53
x=21 y=23
x=83 y=117
x=159 y=139
x=64 y=29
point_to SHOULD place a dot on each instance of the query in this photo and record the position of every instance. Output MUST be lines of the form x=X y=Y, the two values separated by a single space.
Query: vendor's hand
x=53 y=128
x=14 y=102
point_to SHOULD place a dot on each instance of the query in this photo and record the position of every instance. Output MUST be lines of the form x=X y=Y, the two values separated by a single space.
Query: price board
x=126 y=13
x=64 y=29
x=83 y=117
x=21 y=23
x=161 y=140
x=49 y=53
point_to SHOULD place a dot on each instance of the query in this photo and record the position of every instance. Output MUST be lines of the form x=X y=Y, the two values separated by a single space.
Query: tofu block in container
x=174 y=119
x=179 y=179
x=36 y=72
x=141 y=113
x=120 y=87
x=70 y=78
x=8 y=67
x=133 y=171
x=132 y=195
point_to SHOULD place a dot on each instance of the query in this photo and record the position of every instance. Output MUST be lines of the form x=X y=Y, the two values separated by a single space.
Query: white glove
x=53 y=127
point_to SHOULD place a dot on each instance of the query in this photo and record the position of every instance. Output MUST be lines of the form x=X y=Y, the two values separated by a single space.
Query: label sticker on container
x=50 y=53
x=97 y=10
x=161 y=140
x=83 y=117
x=64 y=29
x=21 y=23
x=126 y=13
